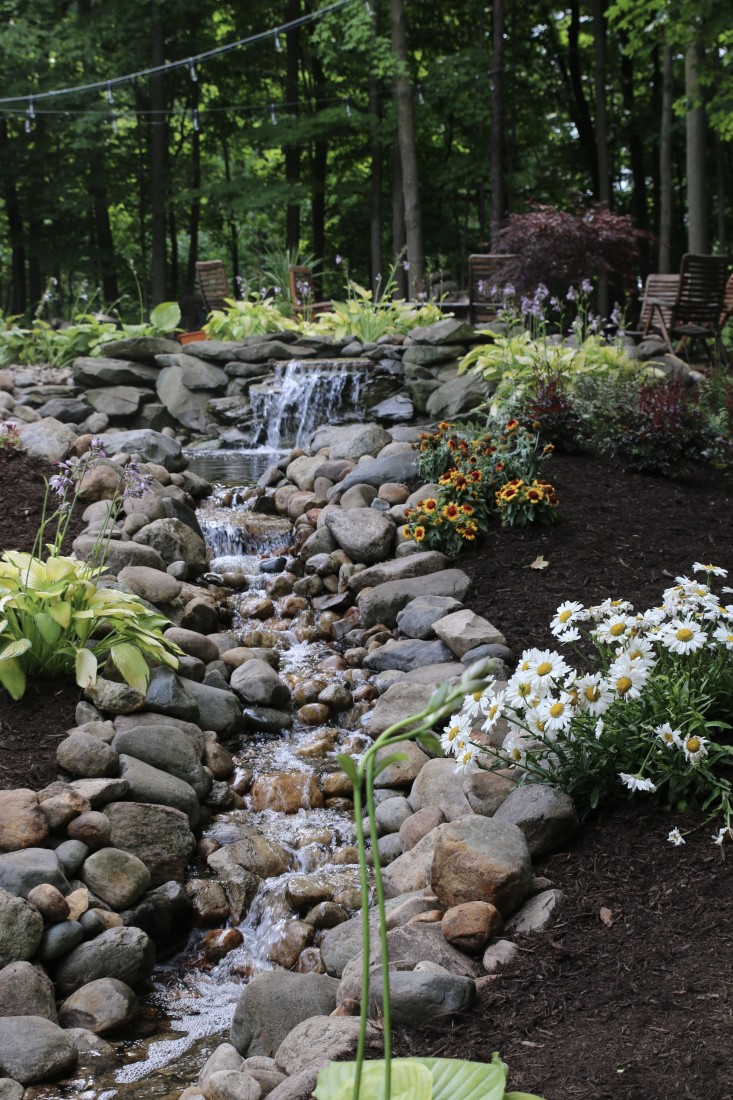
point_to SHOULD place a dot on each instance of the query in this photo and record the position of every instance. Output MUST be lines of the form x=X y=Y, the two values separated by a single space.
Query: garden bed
x=625 y=997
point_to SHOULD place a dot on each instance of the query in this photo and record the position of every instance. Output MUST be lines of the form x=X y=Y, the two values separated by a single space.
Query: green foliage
x=647 y=714
x=253 y=316
x=55 y=621
x=419 y=1079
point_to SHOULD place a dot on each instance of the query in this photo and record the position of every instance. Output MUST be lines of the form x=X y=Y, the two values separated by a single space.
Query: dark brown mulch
x=31 y=728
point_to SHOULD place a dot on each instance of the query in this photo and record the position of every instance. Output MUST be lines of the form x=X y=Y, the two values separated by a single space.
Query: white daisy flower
x=599 y=729
x=466 y=759
x=682 y=636
x=594 y=694
x=547 y=667
x=610 y=607
x=537 y=725
x=636 y=782
x=519 y=690
x=675 y=837
x=639 y=649
x=572 y=634
x=724 y=833
x=557 y=712
x=651 y=618
x=566 y=614
x=695 y=747
x=613 y=629
x=668 y=736
x=724 y=635
x=456 y=732
x=492 y=708
x=711 y=570
x=472 y=704
x=627 y=678
x=515 y=746
x=528 y=659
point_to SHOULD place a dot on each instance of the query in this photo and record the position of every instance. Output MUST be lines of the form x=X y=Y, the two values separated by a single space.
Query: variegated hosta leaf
x=61 y=613
x=86 y=668
x=47 y=627
x=12 y=678
x=131 y=663
x=15 y=649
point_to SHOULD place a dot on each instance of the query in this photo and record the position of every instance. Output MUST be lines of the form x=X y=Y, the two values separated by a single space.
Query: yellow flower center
x=516 y=754
x=623 y=684
x=564 y=616
x=693 y=744
x=618 y=628
x=684 y=634
x=493 y=711
x=477 y=696
x=592 y=693
x=544 y=668
x=540 y=725
x=557 y=709
x=524 y=690
x=452 y=732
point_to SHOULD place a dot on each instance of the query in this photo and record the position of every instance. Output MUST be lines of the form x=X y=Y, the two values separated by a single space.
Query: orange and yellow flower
x=419 y=533
x=452 y=512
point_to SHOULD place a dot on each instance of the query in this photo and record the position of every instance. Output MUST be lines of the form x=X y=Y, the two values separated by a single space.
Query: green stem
x=364 y=886
x=379 y=885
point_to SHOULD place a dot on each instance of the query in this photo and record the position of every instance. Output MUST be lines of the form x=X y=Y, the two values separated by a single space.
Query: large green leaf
x=451 y=1079
x=47 y=627
x=15 y=649
x=166 y=316
x=86 y=668
x=12 y=678
x=132 y=665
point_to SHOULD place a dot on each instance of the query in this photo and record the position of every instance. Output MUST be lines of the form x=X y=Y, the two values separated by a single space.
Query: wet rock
x=324 y=1037
x=159 y=836
x=219 y=942
x=254 y=853
x=546 y=815
x=100 y=1006
x=26 y=990
x=327 y=914
x=314 y=714
x=286 y=793
x=35 y=1049
x=259 y=685
x=59 y=939
x=92 y=829
x=123 y=953
x=21 y=871
x=164 y=747
x=23 y=823
x=471 y=925
x=266 y=719
x=292 y=938
x=118 y=878
x=209 y=901
x=148 y=784
x=481 y=859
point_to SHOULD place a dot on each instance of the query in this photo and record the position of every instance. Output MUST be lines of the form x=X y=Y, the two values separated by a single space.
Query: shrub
x=548 y=406
x=660 y=430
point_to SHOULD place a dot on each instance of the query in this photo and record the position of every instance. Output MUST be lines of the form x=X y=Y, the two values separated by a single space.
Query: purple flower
x=572 y=294
x=339 y=258
x=406 y=265
x=555 y=303
x=509 y=290
x=421 y=296
x=96 y=447
x=541 y=293
x=59 y=484
x=586 y=286
x=135 y=483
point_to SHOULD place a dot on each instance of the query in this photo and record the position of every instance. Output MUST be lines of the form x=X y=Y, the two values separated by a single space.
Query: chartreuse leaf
x=409 y=1081
x=430 y=742
x=132 y=665
x=15 y=649
x=166 y=316
x=61 y=612
x=12 y=678
x=419 y=1079
x=349 y=767
x=47 y=627
x=85 y=666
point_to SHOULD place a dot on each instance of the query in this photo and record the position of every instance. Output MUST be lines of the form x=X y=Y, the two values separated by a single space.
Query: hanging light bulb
x=273 y=116
x=196 y=119
x=192 y=71
x=110 y=97
x=420 y=96
x=278 y=43
x=29 y=115
x=114 y=122
x=348 y=108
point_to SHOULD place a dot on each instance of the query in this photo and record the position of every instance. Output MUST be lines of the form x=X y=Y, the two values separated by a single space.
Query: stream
x=190 y=1002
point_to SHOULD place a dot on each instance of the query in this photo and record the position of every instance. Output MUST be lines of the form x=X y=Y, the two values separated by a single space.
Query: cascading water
x=302 y=396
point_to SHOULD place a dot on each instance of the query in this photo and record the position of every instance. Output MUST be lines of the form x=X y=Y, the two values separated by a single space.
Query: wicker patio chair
x=698 y=306
x=302 y=294
x=486 y=278
x=661 y=289
x=213 y=284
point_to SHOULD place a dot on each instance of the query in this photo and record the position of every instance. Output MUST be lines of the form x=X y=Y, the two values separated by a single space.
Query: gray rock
x=463 y=630
x=167 y=748
x=331 y=1037
x=299 y=1086
x=119 y=554
x=400 y=700
x=456 y=397
x=103 y=1005
x=400 y=773
x=219 y=709
x=117 y=402
x=545 y=814
x=69 y=410
x=406 y=654
x=273 y=1002
x=418 y=565
x=438 y=784
x=118 y=878
x=256 y=683
x=148 y=784
x=149 y=445
x=174 y=541
x=10 y=1090
x=89 y=371
x=71 y=854
x=418 y=825
x=412 y=943
x=152 y=585
x=447 y=331
x=158 y=835
x=139 y=348
x=253 y=853
x=411 y=870
x=170 y=695
x=417 y=618
x=365 y=535
x=266 y=720
x=391 y=813
x=389 y=849
x=26 y=990
x=377 y=471
x=224 y=1057
x=415 y=996
x=59 y=939
x=383 y=603
x=48 y=439
x=123 y=953
x=84 y=755
x=499 y=954
x=21 y=871
x=350 y=441
x=230 y=1084
x=35 y=1049
x=186 y=405
x=101 y=791
x=342 y=943
x=536 y=914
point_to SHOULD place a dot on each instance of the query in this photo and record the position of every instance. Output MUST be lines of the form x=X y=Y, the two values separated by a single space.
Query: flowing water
x=190 y=1006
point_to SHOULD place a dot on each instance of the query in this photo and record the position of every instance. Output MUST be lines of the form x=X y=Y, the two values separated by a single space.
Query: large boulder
x=103 y=1005
x=415 y=996
x=366 y=535
x=546 y=815
x=26 y=990
x=149 y=784
x=399 y=569
x=259 y=685
x=401 y=700
x=174 y=541
x=481 y=859
x=160 y=836
x=457 y=396
x=127 y=954
x=35 y=1049
x=383 y=603
x=48 y=439
x=118 y=878
x=438 y=784
x=325 y=1037
x=21 y=871
x=88 y=371
x=406 y=654
x=273 y=1002
x=165 y=747
x=23 y=823
x=149 y=445
x=351 y=441
x=398 y=467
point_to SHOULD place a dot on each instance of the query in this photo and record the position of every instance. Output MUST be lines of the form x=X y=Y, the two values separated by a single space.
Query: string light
x=348 y=108
x=114 y=123
x=273 y=116
x=192 y=71
x=29 y=115
x=278 y=43
x=110 y=97
x=196 y=119
x=420 y=96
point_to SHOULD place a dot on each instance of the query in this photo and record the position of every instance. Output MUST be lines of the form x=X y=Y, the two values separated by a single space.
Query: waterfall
x=302 y=397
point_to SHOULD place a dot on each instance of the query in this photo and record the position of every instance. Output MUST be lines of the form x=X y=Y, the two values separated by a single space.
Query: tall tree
x=407 y=148
x=498 y=190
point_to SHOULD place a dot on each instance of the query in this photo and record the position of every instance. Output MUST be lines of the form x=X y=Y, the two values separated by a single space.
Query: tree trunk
x=376 y=152
x=599 y=47
x=572 y=75
x=233 y=236
x=408 y=151
x=697 y=221
x=319 y=175
x=14 y=219
x=399 y=240
x=292 y=152
x=173 y=237
x=665 y=163
x=194 y=214
x=158 y=150
x=636 y=155
x=721 y=191
x=498 y=190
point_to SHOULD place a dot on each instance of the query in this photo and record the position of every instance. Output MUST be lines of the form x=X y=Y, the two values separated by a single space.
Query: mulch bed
x=636 y=1007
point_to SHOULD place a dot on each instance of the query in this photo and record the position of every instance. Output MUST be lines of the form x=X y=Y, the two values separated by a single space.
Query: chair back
x=661 y=289
x=485 y=274
x=213 y=284
x=727 y=310
x=701 y=291
x=302 y=291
